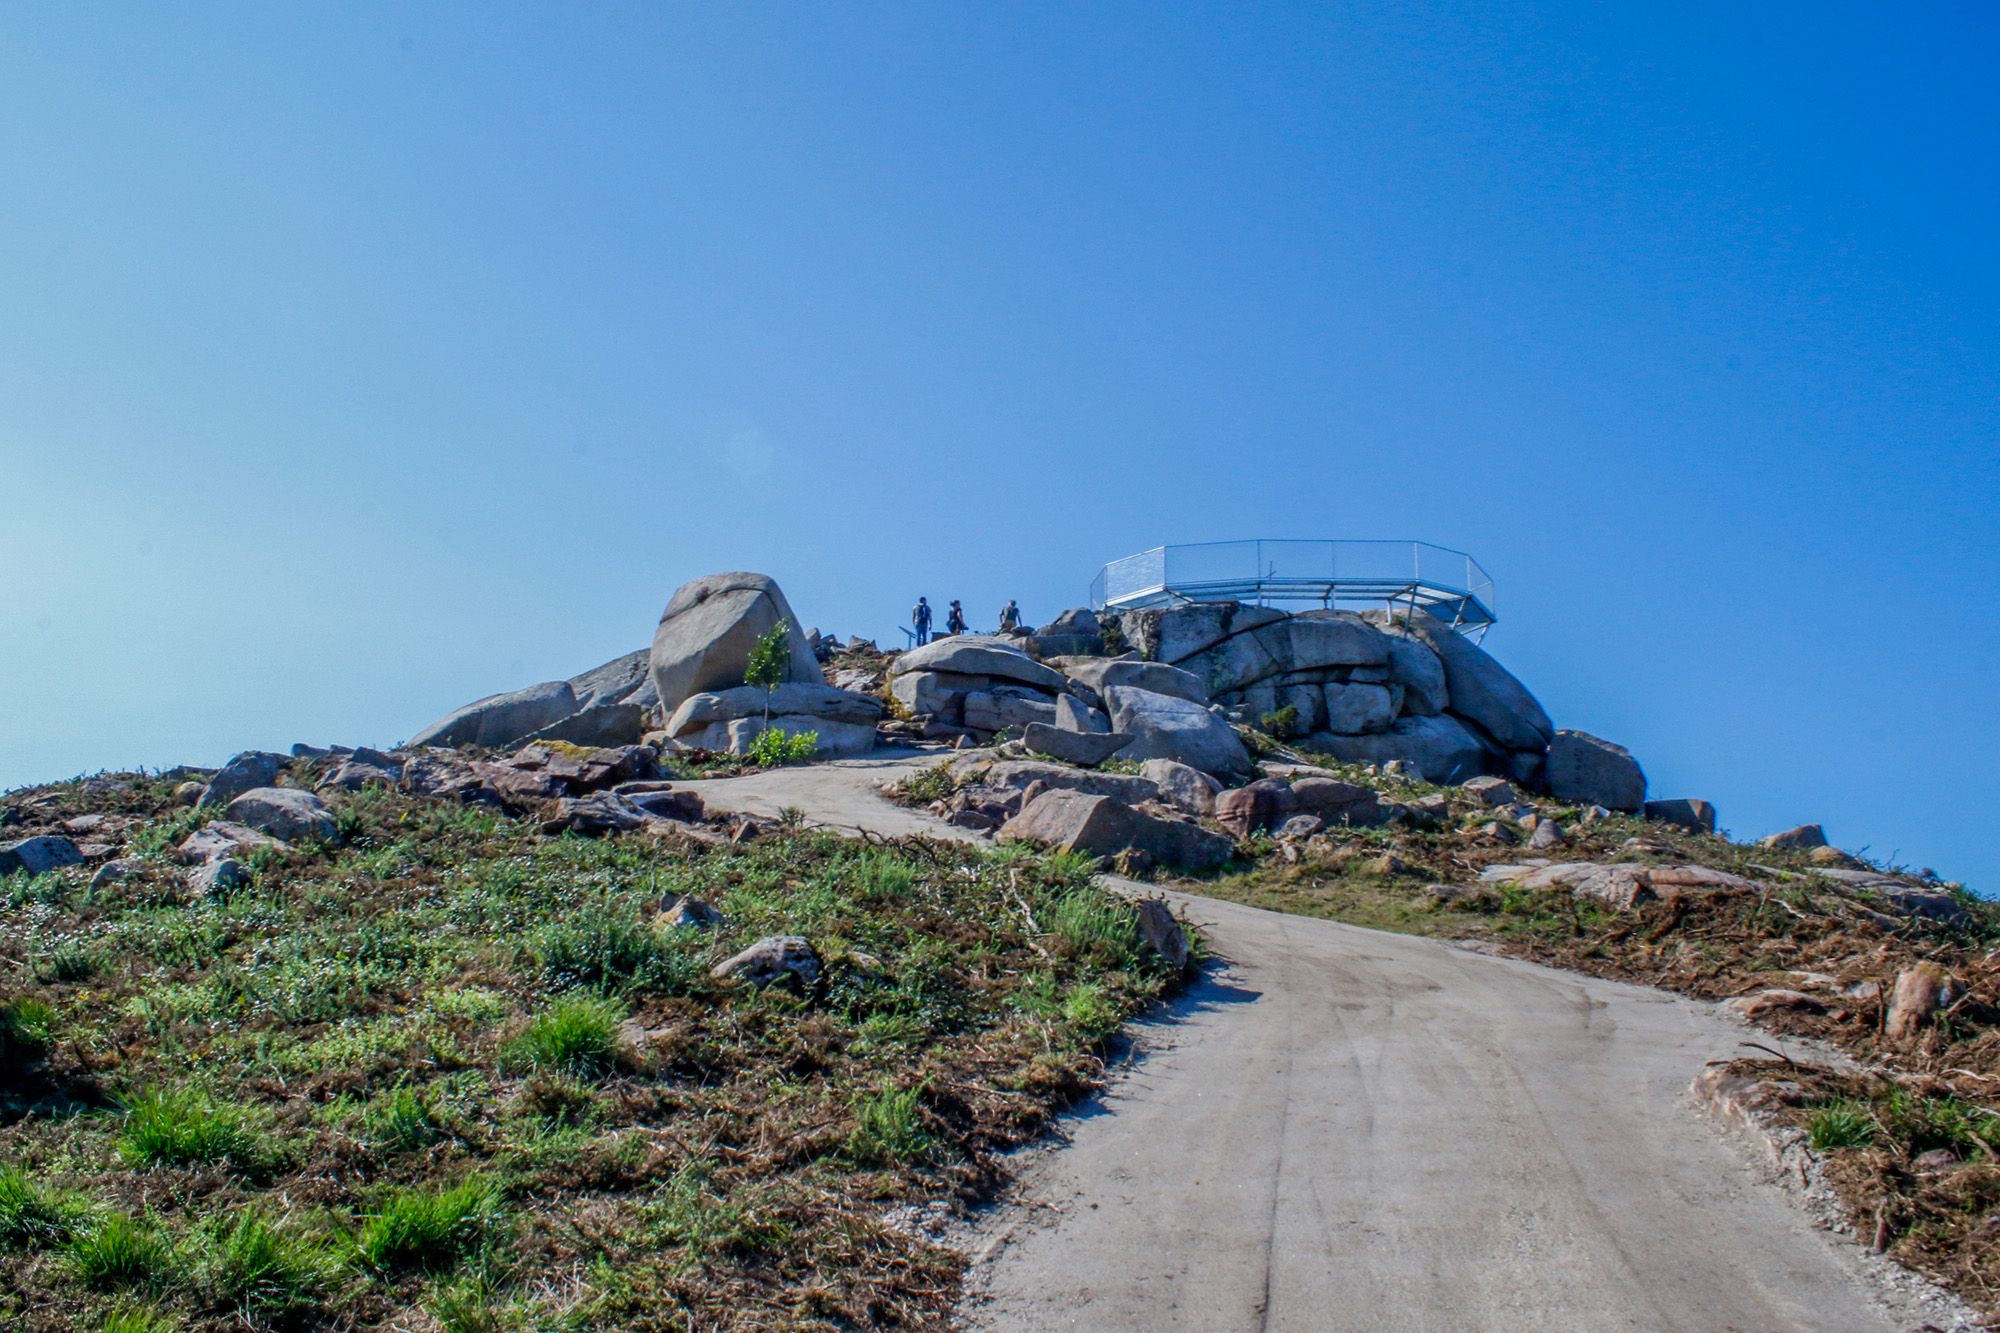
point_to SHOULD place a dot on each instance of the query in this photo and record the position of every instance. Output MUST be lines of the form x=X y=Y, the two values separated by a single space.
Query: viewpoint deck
x=1449 y=584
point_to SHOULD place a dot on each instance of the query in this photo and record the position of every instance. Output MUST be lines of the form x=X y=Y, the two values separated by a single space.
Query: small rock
x=1936 y=1161
x=1920 y=992
x=1449 y=895
x=218 y=876
x=111 y=872
x=1594 y=813
x=1489 y=790
x=1834 y=858
x=1547 y=834
x=1495 y=832
x=1386 y=865
x=1805 y=835
x=684 y=909
x=1301 y=826
x=1768 y=1002
x=787 y=960
x=189 y=793
x=1163 y=934
x=86 y=823
x=1694 y=815
x=38 y=856
x=223 y=838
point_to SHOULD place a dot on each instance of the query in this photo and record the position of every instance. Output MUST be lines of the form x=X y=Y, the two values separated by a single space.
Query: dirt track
x=1338 y=1128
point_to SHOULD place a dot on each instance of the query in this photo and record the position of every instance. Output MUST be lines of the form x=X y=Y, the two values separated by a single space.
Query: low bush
x=122 y=1251
x=185 y=1127
x=774 y=748
x=887 y=1128
x=577 y=1034
x=431 y=1229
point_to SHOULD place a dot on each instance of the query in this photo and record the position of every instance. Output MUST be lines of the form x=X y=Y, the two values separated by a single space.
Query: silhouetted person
x=955 y=622
x=920 y=617
x=1010 y=617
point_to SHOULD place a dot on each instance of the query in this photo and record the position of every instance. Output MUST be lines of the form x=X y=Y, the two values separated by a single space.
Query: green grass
x=186 y=1127
x=122 y=1251
x=267 y=1112
x=888 y=1129
x=431 y=1229
x=1838 y=1126
x=138 y=1319
x=577 y=1034
x=271 y=1271
x=32 y=1215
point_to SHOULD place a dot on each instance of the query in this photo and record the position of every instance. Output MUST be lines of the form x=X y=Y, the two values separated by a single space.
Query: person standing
x=955 y=622
x=920 y=618
x=1010 y=617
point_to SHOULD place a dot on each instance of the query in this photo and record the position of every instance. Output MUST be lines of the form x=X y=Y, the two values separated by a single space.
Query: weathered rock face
x=978 y=682
x=1369 y=688
x=1440 y=748
x=1165 y=727
x=38 y=856
x=1105 y=826
x=1155 y=676
x=732 y=719
x=1086 y=748
x=1186 y=789
x=979 y=655
x=1594 y=772
x=706 y=633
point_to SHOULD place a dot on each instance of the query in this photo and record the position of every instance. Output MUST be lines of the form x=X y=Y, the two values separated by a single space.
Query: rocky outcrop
x=1373 y=688
x=981 y=683
x=1099 y=674
x=252 y=768
x=1087 y=749
x=1696 y=816
x=606 y=705
x=1621 y=885
x=1590 y=771
x=38 y=856
x=730 y=720
x=706 y=633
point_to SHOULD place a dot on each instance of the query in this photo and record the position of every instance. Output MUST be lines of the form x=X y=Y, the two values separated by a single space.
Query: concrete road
x=1338 y=1128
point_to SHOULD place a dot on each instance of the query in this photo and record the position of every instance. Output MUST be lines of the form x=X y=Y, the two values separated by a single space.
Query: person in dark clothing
x=1010 y=617
x=955 y=622
x=920 y=619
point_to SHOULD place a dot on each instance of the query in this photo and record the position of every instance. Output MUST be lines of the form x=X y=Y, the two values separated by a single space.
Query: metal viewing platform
x=1331 y=575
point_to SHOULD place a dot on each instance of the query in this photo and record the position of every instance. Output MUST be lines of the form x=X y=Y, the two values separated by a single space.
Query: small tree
x=768 y=660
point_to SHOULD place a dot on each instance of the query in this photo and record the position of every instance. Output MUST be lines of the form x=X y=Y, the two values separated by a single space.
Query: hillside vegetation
x=447 y=1072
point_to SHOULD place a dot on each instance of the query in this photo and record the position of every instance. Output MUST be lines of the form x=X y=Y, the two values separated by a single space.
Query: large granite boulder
x=1440 y=748
x=1481 y=690
x=1163 y=726
x=1184 y=788
x=622 y=680
x=1085 y=748
x=732 y=719
x=501 y=719
x=38 y=856
x=1590 y=771
x=1358 y=709
x=706 y=633
x=1104 y=826
x=976 y=681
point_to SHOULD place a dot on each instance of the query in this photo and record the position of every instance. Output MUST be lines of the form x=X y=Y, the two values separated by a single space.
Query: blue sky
x=358 y=361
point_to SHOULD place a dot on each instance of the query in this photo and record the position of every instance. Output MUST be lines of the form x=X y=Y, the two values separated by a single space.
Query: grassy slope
x=454 y=1074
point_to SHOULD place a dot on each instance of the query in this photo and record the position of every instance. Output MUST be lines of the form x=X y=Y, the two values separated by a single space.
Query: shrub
x=69 y=960
x=577 y=1034
x=774 y=748
x=31 y=1216
x=26 y=1028
x=431 y=1229
x=887 y=1129
x=262 y=1268
x=1839 y=1125
x=1283 y=723
x=927 y=785
x=121 y=1251
x=185 y=1127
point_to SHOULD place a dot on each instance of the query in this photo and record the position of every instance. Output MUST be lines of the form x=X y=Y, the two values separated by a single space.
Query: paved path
x=1338 y=1128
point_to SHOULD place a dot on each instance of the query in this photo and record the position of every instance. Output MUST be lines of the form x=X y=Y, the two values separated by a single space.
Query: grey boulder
x=38 y=856
x=1104 y=826
x=1085 y=748
x=285 y=813
x=732 y=719
x=1583 y=768
x=1186 y=789
x=706 y=633
x=1804 y=836
x=1163 y=726
x=498 y=719
x=778 y=960
x=1695 y=815
x=1480 y=688
x=252 y=768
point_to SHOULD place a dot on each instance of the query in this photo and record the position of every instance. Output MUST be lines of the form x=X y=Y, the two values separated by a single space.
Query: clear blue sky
x=358 y=360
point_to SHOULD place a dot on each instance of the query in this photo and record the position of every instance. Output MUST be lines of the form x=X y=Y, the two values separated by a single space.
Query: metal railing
x=1450 y=584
